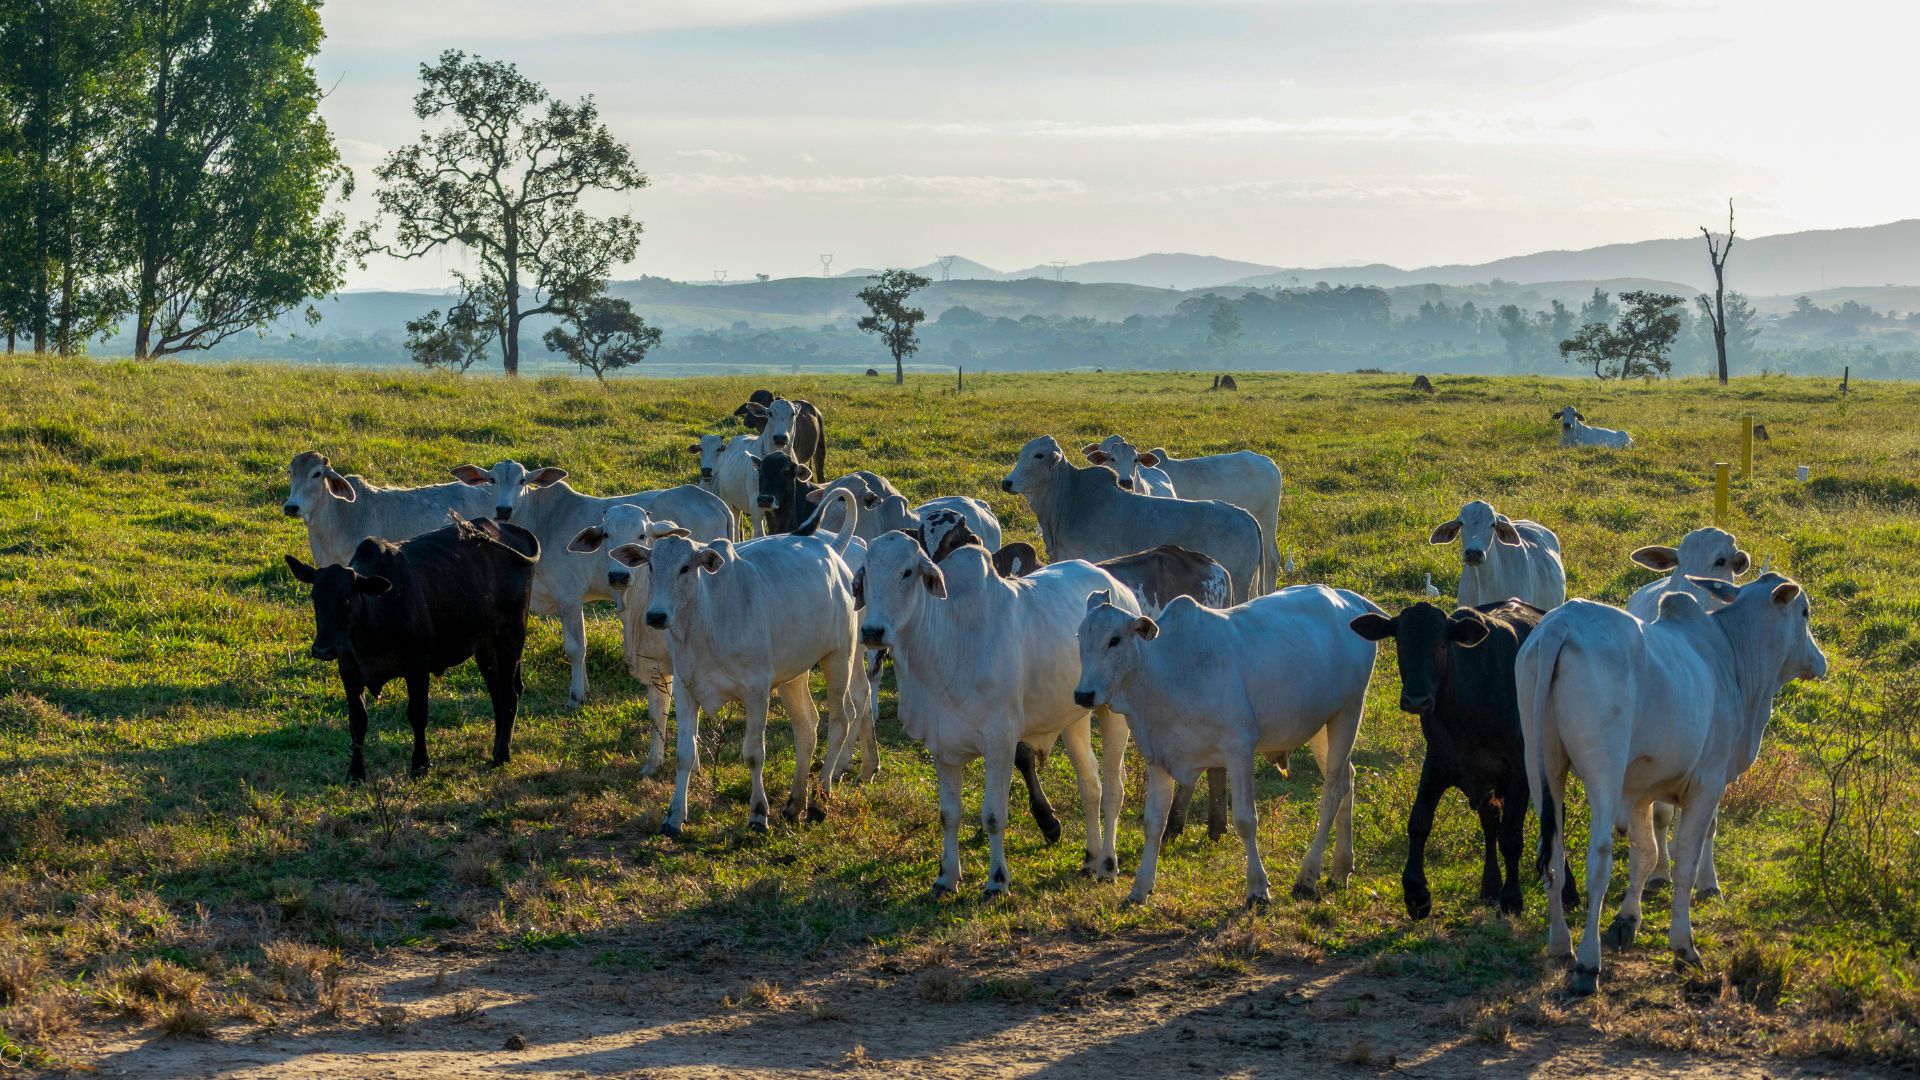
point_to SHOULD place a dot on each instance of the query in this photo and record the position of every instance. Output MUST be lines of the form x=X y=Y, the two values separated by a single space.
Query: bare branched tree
x=1717 y=254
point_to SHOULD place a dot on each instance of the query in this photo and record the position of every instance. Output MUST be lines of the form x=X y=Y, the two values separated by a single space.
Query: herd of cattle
x=1157 y=617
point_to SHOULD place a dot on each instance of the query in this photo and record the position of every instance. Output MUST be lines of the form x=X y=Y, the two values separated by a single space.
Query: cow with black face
x=1456 y=675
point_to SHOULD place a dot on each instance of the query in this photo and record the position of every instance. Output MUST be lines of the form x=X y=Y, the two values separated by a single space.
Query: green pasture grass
x=172 y=764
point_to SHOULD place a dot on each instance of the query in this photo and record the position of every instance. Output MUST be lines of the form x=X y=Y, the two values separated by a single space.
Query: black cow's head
x=338 y=595
x=780 y=480
x=1423 y=633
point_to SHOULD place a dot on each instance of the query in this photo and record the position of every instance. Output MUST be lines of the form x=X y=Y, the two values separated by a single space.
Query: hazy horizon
x=1291 y=133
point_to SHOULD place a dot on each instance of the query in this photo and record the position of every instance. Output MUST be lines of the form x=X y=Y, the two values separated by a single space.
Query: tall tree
x=1637 y=348
x=1736 y=329
x=503 y=179
x=1599 y=308
x=1223 y=329
x=604 y=334
x=1717 y=313
x=225 y=182
x=889 y=316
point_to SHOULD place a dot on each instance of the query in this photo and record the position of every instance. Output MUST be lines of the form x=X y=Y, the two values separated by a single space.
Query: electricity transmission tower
x=1059 y=269
x=826 y=266
x=946 y=265
x=719 y=277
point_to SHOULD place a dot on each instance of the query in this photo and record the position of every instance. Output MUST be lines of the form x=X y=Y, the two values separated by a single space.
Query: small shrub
x=942 y=985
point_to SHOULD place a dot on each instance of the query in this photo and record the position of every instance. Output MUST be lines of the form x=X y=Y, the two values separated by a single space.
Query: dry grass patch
x=941 y=985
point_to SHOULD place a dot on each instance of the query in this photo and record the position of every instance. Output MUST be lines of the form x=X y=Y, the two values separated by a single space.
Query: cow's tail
x=820 y=456
x=852 y=519
x=1545 y=643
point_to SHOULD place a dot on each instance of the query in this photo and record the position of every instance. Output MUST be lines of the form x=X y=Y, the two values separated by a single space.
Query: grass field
x=180 y=856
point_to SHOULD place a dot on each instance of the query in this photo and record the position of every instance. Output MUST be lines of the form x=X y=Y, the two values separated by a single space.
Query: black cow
x=1456 y=674
x=787 y=492
x=414 y=609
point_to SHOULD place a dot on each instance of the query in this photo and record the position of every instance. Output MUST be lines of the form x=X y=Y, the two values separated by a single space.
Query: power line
x=719 y=277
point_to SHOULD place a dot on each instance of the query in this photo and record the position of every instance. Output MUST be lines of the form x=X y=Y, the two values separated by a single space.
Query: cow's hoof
x=758 y=825
x=1561 y=960
x=1256 y=903
x=1687 y=959
x=1621 y=933
x=1707 y=895
x=1582 y=981
x=1659 y=884
x=496 y=763
x=789 y=814
x=1134 y=899
x=1511 y=903
x=669 y=830
x=816 y=812
x=1304 y=891
x=1419 y=904
x=993 y=894
x=576 y=703
x=1050 y=828
x=940 y=889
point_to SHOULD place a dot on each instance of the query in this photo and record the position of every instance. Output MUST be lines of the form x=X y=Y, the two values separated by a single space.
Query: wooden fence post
x=1720 y=470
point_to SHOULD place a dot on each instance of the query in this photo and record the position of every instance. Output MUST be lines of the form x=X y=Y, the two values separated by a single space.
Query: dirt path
x=1112 y=1009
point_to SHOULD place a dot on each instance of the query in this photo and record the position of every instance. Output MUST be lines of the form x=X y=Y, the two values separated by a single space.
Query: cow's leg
x=1413 y=878
x=1489 y=852
x=1077 y=739
x=686 y=757
x=1245 y=819
x=870 y=733
x=1113 y=785
x=993 y=812
x=950 y=773
x=1333 y=747
x=1640 y=864
x=1663 y=857
x=1161 y=794
x=506 y=704
x=356 y=729
x=1025 y=761
x=417 y=719
x=1559 y=869
x=1513 y=842
x=1603 y=798
x=804 y=717
x=1177 y=814
x=1216 y=803
x=659 y=688
x=753 y=751
x=1706 y=881
x=573 y=635
x=1689 y=844
x=846 y=724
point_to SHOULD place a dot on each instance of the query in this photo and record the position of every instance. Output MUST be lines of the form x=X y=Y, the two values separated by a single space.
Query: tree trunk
x=148 y=215
x=1720 y=321
x=899 y=371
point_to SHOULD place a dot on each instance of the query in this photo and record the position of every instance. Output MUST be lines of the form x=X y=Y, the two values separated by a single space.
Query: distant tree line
x=163 y=165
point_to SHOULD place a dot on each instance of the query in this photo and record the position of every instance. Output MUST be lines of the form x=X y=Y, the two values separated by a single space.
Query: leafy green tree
x=226 y=170
x=1637 y=347
x=890 y=317
x=602 y=335
x=1519 y=333
x=1736 y=328
x=502 y=179
x=459 y=340
x=1599 y=308
x=1223 y=328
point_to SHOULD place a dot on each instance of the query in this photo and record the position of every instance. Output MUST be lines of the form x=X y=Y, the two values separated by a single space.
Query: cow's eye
x=1113 y=641
x=1037 y=457
x=905 y=574
x=1719 y=562
x=315 y=476
x=683 y=569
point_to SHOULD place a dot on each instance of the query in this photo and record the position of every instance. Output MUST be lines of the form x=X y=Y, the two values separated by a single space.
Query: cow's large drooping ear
x=1467 y=629
x=588 y=540
x=1580 y=416
x=1097 y=456
x=693 y=448
x=860 y=587
x=1146 y=628
x=1371 y=626
x=301 y=571
x=472 y=475
x=754 y=460
x=1095 y=599
x=631 y=554
x=1091 y=449
x=1557 y=414
x=1784 y=592
x=1724 y=591
x=338 y=487
x=935 y=580
x=658 y=529
x=370 y=584
x=548 y=475
x=753 y=409
x=1504 y=531
x=815 y=495
x=711 y=561
x=1147 y=460
x=1445 y=534
x=803 y=474
x=1741 y=561
x=1657 y=557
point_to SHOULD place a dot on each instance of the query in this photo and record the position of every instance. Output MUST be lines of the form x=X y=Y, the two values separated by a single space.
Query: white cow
x=1705 y=553
x=893 y=514
x=1502 y=558
x=1574 y=431
x=1248 y=480
x=1136 y=471
x=727 y=470
x=1203 y=689
x=742 y=621
x=1671 y=710
x=984 y=664
x=544 y=504
x=340 y=511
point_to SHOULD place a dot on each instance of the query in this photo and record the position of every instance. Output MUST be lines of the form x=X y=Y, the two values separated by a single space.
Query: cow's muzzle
x=619 y=579
x=1084 y=698
x=1418 y=706
x=767 y=502
x=780 y=441
x=324 y=652
x=706 y=474
x=657 y=620
x=873 y=636
x=291 y=510
x=503 y=513
x=1126 y=485
x=1006 y=486
x=1474 y=556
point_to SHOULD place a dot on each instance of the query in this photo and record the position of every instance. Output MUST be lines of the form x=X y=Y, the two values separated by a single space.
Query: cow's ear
x=1090 y=449
x=370 y=584
x=1097 y=456
x=1147 y=459
x=754 y=460
x=1371 y=626
x=1724 y=591
x=338 y=487
x=548 y=475
x=936 y=581
x=803 y=474
x=1095 y=599
x=1504 y=531
x=1146 y=628
x=1657 y=557
x=301 y=571
x=588 y=540
x=1445 y=534
x=1555 y=414
x=1580 y=416
x=693 y=448
x=815 y=495
x=1467 y=629
x=1784 y=592
x=631 y=554
x=753 y=409
x=472 y=475
x=658 y=529
x=1741 y=561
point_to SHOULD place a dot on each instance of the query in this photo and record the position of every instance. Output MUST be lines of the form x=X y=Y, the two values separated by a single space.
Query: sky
x=1287 y=132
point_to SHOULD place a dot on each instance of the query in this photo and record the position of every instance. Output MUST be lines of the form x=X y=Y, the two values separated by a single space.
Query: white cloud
x=897 y=186
x=720 y=156
x=807 y=159
x=1418 y=124
x=1320 y=192
x=359 y=153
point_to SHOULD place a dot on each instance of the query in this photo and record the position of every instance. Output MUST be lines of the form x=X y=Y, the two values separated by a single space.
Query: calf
x=1456 y=675
x=340 y=511
x=793 y=426
x=1502 y=558
x=1082 y=515
x=727 y=611
x=547 y=505
x=1703 y=553
x=1136 y=471
x=1244 y=478
x=782 y=497
x=727 y=470
x=1674 y=710
x=985 y=665
x=414 y=609
x=1574 y=431
x=1203 y=689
